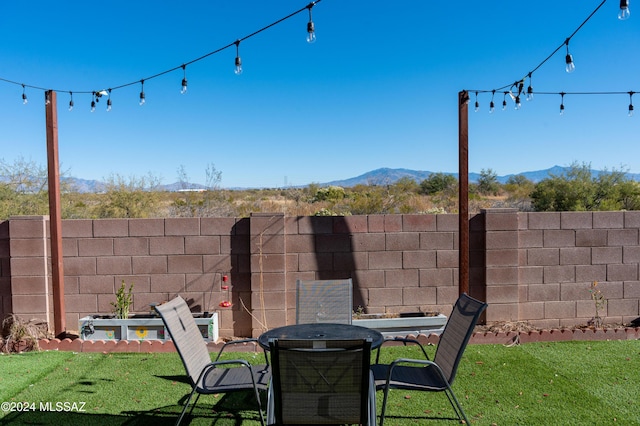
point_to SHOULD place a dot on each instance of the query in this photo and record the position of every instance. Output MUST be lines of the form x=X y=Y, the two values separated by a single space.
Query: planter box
x=404 y=325
x=140 y=327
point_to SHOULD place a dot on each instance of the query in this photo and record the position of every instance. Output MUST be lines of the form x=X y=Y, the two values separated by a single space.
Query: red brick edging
x=147 y=346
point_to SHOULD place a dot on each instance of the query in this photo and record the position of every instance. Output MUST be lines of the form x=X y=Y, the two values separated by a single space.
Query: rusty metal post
x=463 y=192
x=55 y=220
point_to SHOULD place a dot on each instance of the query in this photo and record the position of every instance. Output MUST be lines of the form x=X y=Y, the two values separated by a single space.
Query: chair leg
x=456 y=405
x=186 y=404
x=384 y=404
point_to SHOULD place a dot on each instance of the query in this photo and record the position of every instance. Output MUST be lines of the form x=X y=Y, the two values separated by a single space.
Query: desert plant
x=21 y=335
x=124 y=300
x=599 y=301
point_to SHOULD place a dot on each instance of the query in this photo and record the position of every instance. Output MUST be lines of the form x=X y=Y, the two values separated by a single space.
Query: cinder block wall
x=529 y=266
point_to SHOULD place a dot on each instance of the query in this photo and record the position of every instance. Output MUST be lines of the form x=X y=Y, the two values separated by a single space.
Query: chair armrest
x=235 y=342
x=405 y=341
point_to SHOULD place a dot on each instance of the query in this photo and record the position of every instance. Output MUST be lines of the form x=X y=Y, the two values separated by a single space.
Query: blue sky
x=377 y=89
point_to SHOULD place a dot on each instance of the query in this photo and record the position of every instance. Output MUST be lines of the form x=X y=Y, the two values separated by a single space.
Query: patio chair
x=436 y=375
x=205 y=376
x=324 y=301
x=321 y=382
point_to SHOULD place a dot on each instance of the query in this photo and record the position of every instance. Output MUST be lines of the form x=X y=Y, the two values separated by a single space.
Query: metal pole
x=55 y=220
x=463 y=192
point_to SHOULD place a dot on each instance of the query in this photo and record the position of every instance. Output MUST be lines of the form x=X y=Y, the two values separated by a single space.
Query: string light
x=109 y=104
x=142 y=98
x=93 y=102
x=624 y=10
x=184 y=80
x=183 y=66
x=47 y=97
x=477 y=105
x=238 y=69
x=70 y=101
x=570 y=66
x=311 y=29
x=530 y=90
x=492 y=106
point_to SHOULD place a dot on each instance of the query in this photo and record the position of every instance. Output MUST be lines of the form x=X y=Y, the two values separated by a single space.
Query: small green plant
x=358 y=312
x=599 y=301
x=124 y=300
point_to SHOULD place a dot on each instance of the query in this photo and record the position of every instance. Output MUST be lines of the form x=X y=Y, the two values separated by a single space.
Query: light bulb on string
x=184 y=80
x=93 y=102
x=562 y=103
x=631 y=104
x=24 y=96
x=517 y=102
x=624 y=10
x=70 y=101
x=142 y=97
x=109 y=100
x=477 y=105
x=492 y=106
x=568 y=59
x=47 y=97
x=504 y=101
x=530 y=90
x=238 y=69
x=311 y=28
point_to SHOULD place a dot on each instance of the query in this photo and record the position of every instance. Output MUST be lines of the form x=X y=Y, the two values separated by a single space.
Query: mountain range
x=382 y=176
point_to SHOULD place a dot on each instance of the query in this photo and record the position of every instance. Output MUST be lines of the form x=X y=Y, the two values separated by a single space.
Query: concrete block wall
x=534 y=267
x=563 y=253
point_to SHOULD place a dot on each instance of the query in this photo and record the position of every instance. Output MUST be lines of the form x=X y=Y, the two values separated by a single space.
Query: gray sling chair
x=436 y=375
x=205 y=376
x=324 y=301
x=321 y=382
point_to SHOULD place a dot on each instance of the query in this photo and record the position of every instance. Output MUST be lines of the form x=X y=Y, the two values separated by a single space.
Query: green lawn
x=594 y=383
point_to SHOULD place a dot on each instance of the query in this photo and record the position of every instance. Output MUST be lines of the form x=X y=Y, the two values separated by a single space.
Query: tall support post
x=463 y=192
x=55 y=219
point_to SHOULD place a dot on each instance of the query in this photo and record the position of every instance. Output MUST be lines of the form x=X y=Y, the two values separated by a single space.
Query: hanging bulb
x=477 y=105
x=71 y=101
x=492 y=107
x=142 y=98
x=624 y=10
x=562 y=103
x=504 y=101
x=570 y=66
x=24 y=96
x=631 y=104
x=47 y=97
x=238 y=69
x=93 y=102
x=311 y=28
x=184 y=80
x=517 y=101
x=530 y=90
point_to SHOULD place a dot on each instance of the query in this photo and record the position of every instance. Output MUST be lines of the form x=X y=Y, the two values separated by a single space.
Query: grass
x=566 y=383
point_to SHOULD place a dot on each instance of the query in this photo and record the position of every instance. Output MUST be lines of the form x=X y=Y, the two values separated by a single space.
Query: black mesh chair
x=205 y=376
x=436 y=375
x=321 y=382
x=324 y=301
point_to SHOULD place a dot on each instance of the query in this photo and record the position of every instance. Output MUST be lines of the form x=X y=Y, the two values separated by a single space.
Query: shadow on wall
x=5 y=272
x=333 y=247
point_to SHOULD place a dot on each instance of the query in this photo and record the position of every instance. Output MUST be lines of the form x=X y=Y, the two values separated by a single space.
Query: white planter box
x=140 y=327
x=406 y=325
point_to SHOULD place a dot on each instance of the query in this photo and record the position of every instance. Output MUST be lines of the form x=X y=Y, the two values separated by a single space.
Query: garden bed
x=140 y=327
x=404 y=323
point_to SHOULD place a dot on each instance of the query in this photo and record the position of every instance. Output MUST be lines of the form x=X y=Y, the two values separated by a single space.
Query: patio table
x=321 y=331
